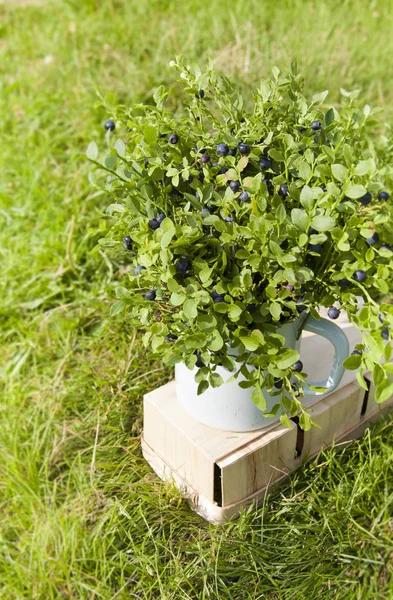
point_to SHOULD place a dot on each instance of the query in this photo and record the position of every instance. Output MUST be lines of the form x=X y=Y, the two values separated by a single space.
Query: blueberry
x=150 y=295
x=223 y=170
x=232 y=152
x=218 y=297
x=298 y=366
x=383 y=196
x=289 y=287
x=344 y=283
x=138 y=269
x=171 y=337
x=264 y=163
x=197 y=195
x=278 y=383
x=373 y=239
x=235 y=186
x=228 y=219
x=386 y=247
x=385 y=333
x=381 y=317
x=205 y=213
x=201 y=93
x=154 y=224
x=244 y=197
x=199 y=362
x=333 y=313
x=360 y=276
x=205 y=158
x=315 y=248
x=214 y=294
x=315 y=125
x=284 y=190
x=366 y=199
x=312 y=231
x=173 y=139
x=358 y=352
x=161 y=217
x=127 y=242
x=284 y=245
x=110 y=125
x=222 y=150
x=183 y=265
x=244 y=148
x=269 y=185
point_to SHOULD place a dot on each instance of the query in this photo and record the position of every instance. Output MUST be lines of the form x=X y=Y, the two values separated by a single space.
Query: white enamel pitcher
x=230 y=408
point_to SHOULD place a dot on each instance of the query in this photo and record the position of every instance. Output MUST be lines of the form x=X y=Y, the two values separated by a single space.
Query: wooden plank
x=335 y=415
x=173 y=441
x=259 y=463
x=215 y=442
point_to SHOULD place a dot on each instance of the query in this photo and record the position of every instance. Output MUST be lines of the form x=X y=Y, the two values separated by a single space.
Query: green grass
x=82 y=515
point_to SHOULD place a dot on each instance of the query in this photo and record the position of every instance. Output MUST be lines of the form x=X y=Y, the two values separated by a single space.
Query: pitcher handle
x=337 y=337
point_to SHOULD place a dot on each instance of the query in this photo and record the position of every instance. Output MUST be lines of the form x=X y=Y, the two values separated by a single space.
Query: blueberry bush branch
x=232 y=220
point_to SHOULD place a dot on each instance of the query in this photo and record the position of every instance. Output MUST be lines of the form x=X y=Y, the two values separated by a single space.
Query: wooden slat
x=257 y=465
x=335 y=415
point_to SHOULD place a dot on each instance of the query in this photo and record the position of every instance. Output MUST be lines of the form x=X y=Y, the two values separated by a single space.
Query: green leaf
x=177 y=299
x=323 y=223
x=122 y=293
x=352 y=362
x=361 y=381
x=276 y=155
x=206 y=322
x=365 y=167
x=258 y=398
x=329 y=116
x=340 y=172
x=299 y=218
x=384 y=391
x=275 y=310
x=92 y=151
x=355 y=191
x=117 y=307
x=379 y=375
x=215 y=341
x=285 y=420
x=173 y=286
x=305 y=421
x=190 y=308
x=306 y=198
x=166 y=238
x=287 y=357
x=249 y=343
x=202 y=387
x=216 y=380
x=243 y=162
x=120 y=147
x=150 y=134
x=234 y=312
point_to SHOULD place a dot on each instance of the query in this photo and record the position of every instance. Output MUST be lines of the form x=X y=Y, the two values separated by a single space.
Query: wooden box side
x=335 y=415
x=179 y=451
x=257 y=465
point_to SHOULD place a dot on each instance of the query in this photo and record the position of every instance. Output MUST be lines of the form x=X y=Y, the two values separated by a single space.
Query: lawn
x=82 y=515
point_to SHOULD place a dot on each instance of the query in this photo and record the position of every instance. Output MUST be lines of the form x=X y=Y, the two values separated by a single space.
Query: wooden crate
x=220 y=472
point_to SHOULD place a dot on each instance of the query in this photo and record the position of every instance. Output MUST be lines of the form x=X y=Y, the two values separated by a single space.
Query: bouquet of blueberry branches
x=234 y=221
